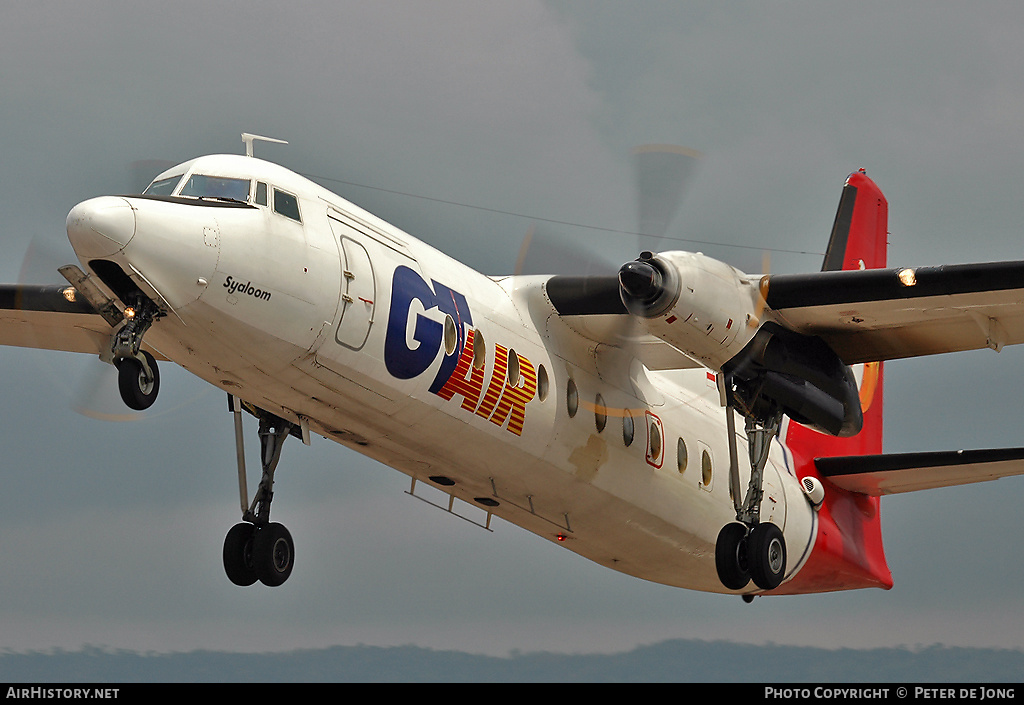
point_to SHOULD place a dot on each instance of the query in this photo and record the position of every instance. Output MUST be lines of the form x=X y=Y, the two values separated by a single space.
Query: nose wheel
x=138 y=380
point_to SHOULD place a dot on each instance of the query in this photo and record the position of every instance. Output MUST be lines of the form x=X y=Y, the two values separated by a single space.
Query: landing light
x=69 y=294
x=907 y=277
x=129 y=312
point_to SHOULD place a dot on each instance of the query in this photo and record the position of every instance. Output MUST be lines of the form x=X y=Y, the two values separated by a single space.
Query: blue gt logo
x=513 y=378
x=404 y=361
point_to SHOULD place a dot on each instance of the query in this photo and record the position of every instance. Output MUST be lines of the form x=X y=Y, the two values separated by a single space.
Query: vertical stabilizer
x=860 y=232
x=859 y=241
x=848 y=550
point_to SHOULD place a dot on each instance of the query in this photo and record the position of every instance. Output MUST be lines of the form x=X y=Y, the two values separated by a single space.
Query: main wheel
x=273 y=554
x=138 y=383
x=766 y=549
x=238 y=563
x=731 y=556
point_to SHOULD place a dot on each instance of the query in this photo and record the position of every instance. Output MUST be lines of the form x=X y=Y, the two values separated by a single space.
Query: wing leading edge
x=884 y=314
x=51 y=318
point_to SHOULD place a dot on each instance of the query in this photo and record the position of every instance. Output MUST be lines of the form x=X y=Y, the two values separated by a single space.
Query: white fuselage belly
x=289 y=318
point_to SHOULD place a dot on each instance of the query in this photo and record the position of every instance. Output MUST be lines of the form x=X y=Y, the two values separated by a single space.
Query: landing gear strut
x=138 y=379
x=256 y=548
x=748 y=549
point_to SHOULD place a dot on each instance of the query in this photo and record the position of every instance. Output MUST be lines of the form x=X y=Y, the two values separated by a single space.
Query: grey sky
x=111 y=533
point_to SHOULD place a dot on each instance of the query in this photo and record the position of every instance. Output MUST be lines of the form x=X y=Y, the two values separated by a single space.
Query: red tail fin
x=859 y=241
x=860 y=233
x=848 y=551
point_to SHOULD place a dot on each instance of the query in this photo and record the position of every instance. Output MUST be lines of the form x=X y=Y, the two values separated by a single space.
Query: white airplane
x=599 y=412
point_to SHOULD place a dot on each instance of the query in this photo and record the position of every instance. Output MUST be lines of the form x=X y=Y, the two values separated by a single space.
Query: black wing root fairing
x=802 y=375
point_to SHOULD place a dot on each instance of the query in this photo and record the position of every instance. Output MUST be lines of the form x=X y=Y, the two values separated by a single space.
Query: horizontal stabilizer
x=895 y=473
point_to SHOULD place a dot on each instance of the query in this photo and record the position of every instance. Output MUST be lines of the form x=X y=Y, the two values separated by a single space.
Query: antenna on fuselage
x=249 y=138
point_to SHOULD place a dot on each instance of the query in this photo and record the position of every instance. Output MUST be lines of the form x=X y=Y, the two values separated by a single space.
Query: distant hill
x=676 y=660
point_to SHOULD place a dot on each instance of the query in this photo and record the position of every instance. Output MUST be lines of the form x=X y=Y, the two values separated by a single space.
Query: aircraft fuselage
x=308 y=307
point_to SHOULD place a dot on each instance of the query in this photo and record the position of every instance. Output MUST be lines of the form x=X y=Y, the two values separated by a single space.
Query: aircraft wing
x=51 y=318
x=895 y=473
x=883 y=314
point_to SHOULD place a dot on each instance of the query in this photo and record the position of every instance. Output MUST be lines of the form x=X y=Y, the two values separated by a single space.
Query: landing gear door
x=773 y=502
x=358 y=290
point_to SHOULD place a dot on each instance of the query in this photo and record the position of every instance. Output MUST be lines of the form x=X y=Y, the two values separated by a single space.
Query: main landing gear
x=748 y=549
x=256 y=548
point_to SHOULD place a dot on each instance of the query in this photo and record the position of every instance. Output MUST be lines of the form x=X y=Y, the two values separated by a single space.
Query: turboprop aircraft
x=677 y=420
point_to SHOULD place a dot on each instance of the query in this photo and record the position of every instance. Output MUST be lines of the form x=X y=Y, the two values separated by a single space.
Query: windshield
x=163 y=187
x=202 y=186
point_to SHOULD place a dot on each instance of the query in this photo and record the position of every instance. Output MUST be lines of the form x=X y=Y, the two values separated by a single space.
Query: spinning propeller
x=661 y=174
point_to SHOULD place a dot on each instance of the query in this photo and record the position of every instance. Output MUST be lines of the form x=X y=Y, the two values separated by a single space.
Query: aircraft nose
x=101 y=226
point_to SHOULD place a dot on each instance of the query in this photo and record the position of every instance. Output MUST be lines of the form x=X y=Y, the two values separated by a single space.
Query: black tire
x=766 y=549
x=273 y=554
x=731 y=556
x=238 y=563
x=138 y=389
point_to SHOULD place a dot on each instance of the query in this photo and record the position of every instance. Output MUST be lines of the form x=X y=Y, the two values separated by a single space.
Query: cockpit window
x=286 y=204
x=163 y=187
x=202 y=186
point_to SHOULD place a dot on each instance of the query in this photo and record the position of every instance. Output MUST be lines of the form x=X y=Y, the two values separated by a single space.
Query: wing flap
x=873 y=315
x=896 y=473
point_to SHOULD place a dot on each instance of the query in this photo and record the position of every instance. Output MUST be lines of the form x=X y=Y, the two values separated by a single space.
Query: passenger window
x=261 y=193
x=627 y=429
x=287 y=205
x=654 y=447
x=572 y=398
x=681 y=455
x=705 y=470
x=600 y=413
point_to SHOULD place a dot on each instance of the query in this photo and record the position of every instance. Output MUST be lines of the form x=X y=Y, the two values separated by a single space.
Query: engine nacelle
x=710 y=311
x=704 y=307
x=801 y=374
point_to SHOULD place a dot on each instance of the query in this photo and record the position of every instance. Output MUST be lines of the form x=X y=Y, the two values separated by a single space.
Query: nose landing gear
x=138 y=379
x=256 y=548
